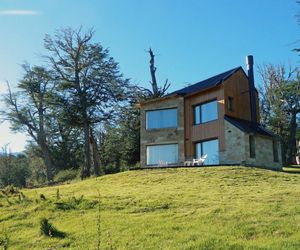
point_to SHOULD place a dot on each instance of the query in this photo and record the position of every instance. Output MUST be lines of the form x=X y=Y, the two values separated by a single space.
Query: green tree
x=88 y=81
x=28 y=110
x=14 y=170
x=280 y=104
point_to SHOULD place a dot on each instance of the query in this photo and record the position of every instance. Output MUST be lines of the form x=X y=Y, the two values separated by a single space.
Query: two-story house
x=218 y=117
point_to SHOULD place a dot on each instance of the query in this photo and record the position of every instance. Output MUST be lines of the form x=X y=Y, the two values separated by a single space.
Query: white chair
x=200 y=161
x=297 y=160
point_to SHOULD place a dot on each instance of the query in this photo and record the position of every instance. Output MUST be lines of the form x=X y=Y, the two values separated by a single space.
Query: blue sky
x=193 y=39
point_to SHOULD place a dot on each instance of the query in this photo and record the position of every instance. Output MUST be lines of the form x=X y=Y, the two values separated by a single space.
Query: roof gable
x=208 y=83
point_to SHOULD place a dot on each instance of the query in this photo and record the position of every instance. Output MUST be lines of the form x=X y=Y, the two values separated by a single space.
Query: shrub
x=47 y=229
x=10 y=190
x=65 y=175
x=4 y=241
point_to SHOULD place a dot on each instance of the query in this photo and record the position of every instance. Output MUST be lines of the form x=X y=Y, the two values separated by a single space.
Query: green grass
x=197 y=208
x=292 y=169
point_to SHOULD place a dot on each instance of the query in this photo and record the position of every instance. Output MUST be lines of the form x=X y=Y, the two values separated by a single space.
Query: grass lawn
x=197 y=208
x=292 y=169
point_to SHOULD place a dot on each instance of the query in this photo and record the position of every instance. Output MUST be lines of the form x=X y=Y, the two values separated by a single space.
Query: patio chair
x=199 y=161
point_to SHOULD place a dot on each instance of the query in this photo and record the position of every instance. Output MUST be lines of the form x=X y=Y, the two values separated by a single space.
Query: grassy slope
x=205 y=208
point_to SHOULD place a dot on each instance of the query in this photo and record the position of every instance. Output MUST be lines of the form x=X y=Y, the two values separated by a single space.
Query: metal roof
x=248 y=126
x=208 y=83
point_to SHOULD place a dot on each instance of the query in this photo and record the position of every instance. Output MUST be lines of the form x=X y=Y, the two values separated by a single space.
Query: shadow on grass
x=49 y=230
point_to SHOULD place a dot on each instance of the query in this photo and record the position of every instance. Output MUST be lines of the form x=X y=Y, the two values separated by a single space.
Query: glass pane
x=209 y=111
x=162 y=153
x=165 y=118
x=198 y=152
x=211 y=148
x=197 y=115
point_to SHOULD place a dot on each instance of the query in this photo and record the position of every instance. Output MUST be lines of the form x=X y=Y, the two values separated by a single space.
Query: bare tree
x=155 y=91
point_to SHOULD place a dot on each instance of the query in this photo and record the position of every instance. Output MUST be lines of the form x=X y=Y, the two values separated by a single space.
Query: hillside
x=197 y=208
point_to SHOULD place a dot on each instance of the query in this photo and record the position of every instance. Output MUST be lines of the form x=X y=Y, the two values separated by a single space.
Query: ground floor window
x=209 y=148
x=162 y=154
x=252 y=146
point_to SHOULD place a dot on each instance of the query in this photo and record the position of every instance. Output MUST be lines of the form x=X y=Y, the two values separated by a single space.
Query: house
x=218 y=117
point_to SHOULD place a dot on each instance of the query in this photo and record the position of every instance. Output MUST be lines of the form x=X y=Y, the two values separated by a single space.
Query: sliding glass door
x=209 y=148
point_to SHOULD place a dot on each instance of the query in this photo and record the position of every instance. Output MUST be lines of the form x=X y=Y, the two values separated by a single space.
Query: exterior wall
x=237 y=87
x=164 y=135
x=205 y=131
x=235 y=146
x=238 y=151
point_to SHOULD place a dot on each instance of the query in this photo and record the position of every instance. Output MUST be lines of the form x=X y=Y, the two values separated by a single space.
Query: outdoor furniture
x=188 y=163
x=297 y=160
x=199 y=161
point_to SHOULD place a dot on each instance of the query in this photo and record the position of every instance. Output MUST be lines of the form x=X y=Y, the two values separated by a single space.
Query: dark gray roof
x=248 y=126
x=206 y=84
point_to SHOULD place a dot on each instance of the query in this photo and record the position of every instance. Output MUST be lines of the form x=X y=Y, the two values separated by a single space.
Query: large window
x=162 y=154
x=211 y=148
x=163 y=118
x=252 y=146
x=206 y=112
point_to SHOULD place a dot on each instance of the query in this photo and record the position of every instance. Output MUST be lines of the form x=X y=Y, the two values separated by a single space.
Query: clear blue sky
x=193 y=39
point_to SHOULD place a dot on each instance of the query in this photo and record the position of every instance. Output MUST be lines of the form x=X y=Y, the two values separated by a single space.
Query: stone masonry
x=237 y=149
x=165 y=135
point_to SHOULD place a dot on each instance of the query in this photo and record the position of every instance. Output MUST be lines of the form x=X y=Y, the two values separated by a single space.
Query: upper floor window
x=206 y=112
x=230 y=103
x=163 y=118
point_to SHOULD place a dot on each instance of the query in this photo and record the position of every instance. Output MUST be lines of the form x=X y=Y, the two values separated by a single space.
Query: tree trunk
x=96 y=161
x=291 y=147
x=47 y=160
x=86 y=170
x=152 y=72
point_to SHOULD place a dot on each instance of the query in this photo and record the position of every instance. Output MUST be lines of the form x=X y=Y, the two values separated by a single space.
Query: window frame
x=200 y=112
x=230 y=103
x=160 y=109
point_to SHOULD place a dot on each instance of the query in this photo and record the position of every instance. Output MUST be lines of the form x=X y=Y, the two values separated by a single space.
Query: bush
x=47 y=229
x=65 y=175
x=4 y=241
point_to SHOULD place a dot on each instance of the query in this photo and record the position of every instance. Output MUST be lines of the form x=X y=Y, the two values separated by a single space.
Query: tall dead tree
x=156 y=90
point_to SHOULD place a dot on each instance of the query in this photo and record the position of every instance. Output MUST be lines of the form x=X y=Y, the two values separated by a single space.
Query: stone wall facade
x=237 y=149
x=164 y=135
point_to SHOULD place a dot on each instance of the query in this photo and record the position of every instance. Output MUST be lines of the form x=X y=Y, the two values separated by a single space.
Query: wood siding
x=205 y=131
x=237 y=87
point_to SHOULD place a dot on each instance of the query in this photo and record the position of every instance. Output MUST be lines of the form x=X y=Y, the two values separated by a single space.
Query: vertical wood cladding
x=235 y=87
x=205 y=131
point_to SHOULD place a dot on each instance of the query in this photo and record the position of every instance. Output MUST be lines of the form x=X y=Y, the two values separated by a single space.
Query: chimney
x=249 y=62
